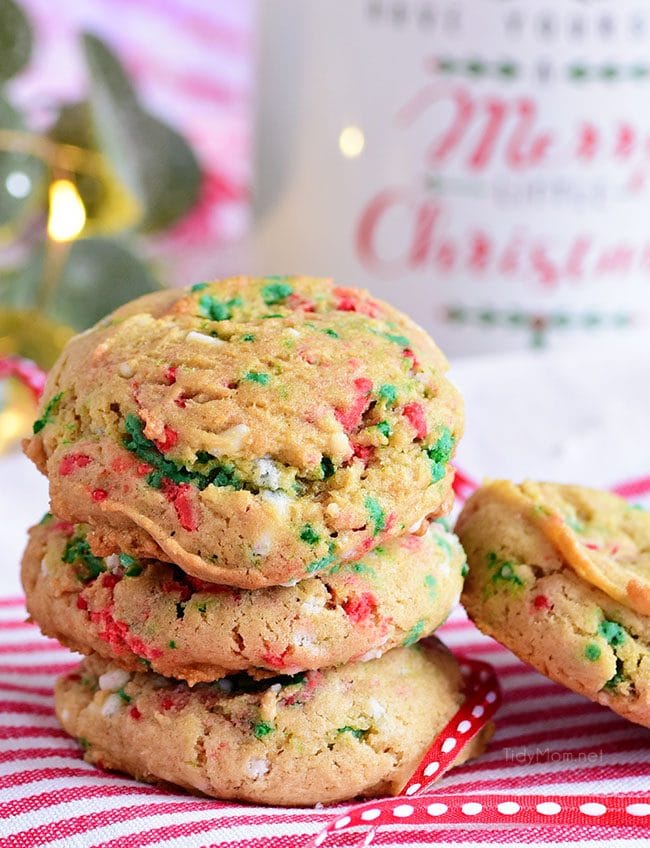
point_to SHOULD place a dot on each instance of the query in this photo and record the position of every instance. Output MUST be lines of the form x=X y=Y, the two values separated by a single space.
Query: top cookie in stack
x=324 y=427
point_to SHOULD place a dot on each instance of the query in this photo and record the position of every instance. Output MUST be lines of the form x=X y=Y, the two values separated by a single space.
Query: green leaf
x=100 y=275
x=154 y=162
x=15 y=39
x=21 y=175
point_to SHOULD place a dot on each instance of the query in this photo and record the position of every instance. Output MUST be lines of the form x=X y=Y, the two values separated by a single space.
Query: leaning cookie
x=151 y=613
x=252 y=431
x=358 y=730
x=561 y=576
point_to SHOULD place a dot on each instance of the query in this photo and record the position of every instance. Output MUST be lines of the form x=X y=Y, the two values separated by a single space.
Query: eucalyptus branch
x=64 y=157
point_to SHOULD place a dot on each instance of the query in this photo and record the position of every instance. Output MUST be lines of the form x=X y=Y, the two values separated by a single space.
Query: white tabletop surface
x=581 y=416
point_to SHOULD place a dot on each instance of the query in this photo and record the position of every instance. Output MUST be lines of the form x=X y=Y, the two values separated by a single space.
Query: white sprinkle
x=268 y=474
x=113 y=680
x=112 y=562
x=293 y=332
x=263 y=545
x=233 y=437
x=333 y=509
x=313 y=604
x=417 y=526
x=225 y=685
x=126 y=370
x=193 y=336
x=44 y=566
x=278 y=500
x=377 y=709
x=338 y=444
x=257 y=768
x=373 y=654
x=302 y=639
x=111 y=705
x=65 y=715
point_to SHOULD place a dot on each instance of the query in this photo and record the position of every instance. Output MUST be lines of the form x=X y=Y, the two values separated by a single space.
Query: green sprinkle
x=198 y=287
x=432 y=585
x=85 y=744
x=136 y=442
x=309 y=535
x=46 y=518
x=618 y=677
x=77 y=550
x=362 y=568
x=385 y=429
x=357 y=732
x=262 y=729
x=402 y=341
x=172 y=644
x=574 y=524
x=443 y=544
x=440 y=454
x=414 y=634
x=48 y=413
x=257 y=377
x=202 y=608
x=276 y=292
x=327 y=467
x=502 y=571
x=323 y=562
x=592 y=652
x=332 y=333
x=217 y=310
x=248 y=337
x=388 y=393
x=464 y=569
x=376 y=513
x=145 y=663
x=126 y=698
x=131 y=565
x=612 y=632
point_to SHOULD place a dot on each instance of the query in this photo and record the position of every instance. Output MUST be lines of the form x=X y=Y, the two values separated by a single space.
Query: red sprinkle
x=275 y=660
x=121 y=464
x=541 y=602
x=110 y=581
x=66 y=527
x=359 y=607
x=142 y=469
x=592 y=546
x=180 y=495
x=348 y=300
x=351 y=417
x=134 y=712
x=167 y=703
x=172 y=587
x=181 y=401
x=414 y=360
x=297 y=301
x=82 y=603
x=99 y=495
x=170 y=440
x=364 y=452
x=73 y=461
x=170 y=375
x=414 y=414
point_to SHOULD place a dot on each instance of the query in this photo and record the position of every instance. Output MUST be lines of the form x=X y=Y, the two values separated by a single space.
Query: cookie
x=252 y=431
x=150 y=613
x=358 y=730
x=559 y=574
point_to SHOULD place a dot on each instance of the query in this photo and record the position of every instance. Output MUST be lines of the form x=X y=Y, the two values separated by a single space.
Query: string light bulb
x=67 y=213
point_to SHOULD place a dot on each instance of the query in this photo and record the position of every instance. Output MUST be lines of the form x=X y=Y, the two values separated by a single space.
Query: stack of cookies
x=244 y=481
